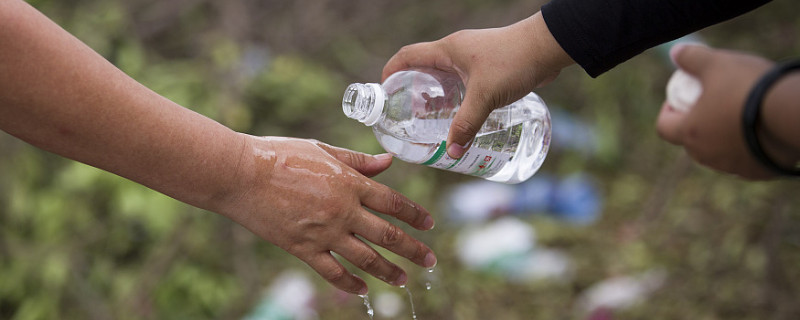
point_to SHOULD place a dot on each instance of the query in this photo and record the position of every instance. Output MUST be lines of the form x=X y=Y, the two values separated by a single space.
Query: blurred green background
x=79 y=243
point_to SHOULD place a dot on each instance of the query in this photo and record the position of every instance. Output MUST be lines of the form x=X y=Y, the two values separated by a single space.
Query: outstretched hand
x=304 y=196
x=310 y=199
x=498 y=66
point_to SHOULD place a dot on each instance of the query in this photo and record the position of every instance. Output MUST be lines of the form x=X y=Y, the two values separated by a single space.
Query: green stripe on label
x=437 y=155
x=457 y=161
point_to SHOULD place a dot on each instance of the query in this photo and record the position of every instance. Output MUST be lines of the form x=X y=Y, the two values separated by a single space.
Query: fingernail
x=456 y=151
x=428 y=223
x=383 y=156
x=401 y=280
x=430 y=260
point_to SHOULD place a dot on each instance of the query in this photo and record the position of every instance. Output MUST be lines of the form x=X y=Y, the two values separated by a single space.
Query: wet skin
x=304 y=196
x=311 y=199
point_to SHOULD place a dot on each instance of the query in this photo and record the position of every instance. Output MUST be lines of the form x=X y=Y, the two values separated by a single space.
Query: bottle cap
x=377 y=109
x=683 y=90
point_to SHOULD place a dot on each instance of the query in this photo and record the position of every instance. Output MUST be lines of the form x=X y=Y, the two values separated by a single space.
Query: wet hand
x=310 y=199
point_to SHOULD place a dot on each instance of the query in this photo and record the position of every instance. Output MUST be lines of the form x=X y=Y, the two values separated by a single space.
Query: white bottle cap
x=683 y=90
x=377 y=109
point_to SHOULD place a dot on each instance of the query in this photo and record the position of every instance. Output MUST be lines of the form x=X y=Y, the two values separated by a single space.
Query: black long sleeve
x=600 y=34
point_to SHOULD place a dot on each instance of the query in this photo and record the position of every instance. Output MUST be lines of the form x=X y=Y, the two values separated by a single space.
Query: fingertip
x=401 y=280
x=467 y=121
x=430 y=260
x=381 y=162
x=455 y=150
x=361 y=285
x=398 y=61
x=336 y=274
x=384 y=157
x=389 y=69
x=675 y=51
x=690 y=57
x=429 y=223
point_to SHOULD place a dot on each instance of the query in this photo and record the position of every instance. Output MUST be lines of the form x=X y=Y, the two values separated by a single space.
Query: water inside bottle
x=419 y=109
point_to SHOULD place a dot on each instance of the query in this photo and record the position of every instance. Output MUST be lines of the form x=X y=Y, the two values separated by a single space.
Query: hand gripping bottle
x=411 y=113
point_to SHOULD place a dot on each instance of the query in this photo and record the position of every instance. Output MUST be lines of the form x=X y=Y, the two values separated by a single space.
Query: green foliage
x=291 y=89
x=79 y=243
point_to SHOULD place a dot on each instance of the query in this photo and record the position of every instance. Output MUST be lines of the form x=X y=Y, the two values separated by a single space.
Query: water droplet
x=370 y=311
x=431 y=278
x=411 y=301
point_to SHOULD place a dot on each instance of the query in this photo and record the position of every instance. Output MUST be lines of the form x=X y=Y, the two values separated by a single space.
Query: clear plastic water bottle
x=411 y=113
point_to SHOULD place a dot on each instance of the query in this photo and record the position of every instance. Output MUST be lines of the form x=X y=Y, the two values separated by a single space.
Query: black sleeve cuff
x=600 y=34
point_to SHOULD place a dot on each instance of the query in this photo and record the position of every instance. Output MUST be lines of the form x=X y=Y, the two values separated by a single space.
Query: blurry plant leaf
x=292 y=89
x=155 y=210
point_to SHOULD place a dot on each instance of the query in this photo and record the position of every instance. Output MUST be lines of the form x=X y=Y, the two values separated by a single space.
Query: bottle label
x=476 y=161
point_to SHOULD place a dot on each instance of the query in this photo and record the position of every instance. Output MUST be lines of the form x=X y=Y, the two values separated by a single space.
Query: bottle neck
x=364 y=102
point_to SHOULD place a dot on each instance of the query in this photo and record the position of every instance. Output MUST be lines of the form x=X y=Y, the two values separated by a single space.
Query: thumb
x=365 y=164
x=468 y=120
x=691 y=58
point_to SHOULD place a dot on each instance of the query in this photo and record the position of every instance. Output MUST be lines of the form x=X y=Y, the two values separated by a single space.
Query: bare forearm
x=302 y=195
x=58 y=94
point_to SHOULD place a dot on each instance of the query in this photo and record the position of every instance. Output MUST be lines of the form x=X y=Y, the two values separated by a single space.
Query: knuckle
x=371 y=261
x=354 y=159
x=396 y=203
x=406 y=52
x=394 y=274
x=490 y=101
x=334 y=274
x=419 y=220
x=422 y=251
x=312 y=142
x=453 y=37
x=465 y=126
x=391 y=235
x=297 y=248
x=418 y=214
x=504 y=99
x=457 y=36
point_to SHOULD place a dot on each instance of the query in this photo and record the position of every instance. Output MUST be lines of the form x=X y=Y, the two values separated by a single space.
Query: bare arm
x=61 y=96
x=781 y=121
x=304 y=196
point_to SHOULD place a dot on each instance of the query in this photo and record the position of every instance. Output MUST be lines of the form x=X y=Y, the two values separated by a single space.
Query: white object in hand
x=683 y=90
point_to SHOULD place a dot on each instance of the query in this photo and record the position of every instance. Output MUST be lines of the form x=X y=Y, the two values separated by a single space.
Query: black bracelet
x=751 y=113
